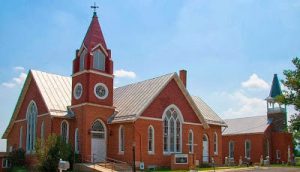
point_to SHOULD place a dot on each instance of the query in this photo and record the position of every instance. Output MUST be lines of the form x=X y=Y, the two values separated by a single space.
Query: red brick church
x=158 y=117
x=266 y=137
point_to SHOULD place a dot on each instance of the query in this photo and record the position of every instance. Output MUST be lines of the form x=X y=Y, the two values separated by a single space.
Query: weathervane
x=94 y=7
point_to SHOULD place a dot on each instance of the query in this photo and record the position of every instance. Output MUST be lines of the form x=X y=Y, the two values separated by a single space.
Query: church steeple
x=94 y=35
x=276 y=112
x=92 y=79
x=93 y=53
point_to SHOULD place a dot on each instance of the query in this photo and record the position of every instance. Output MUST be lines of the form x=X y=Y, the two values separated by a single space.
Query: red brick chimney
x=182 y=76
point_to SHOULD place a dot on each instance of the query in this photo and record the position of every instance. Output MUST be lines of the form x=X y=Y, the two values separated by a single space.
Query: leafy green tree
x=50 y=151
x=17 y=158
x=291 y=96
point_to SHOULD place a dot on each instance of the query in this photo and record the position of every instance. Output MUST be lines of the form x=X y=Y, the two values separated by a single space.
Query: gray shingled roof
x=209 y=115
x=247 y=125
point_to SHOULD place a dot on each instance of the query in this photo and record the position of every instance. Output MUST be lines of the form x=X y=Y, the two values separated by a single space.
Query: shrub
x=17 y=157
x=50 y=151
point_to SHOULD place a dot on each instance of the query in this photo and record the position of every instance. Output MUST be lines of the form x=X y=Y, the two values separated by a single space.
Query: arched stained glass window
x=31 y=116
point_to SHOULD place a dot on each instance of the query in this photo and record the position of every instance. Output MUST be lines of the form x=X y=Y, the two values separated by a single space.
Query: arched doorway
x=205 y=154
x=98 y=141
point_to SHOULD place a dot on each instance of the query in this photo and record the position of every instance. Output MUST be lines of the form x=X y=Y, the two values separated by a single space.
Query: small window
x=21 y=137
x=191 y=142
x=76 y=141
x=82 y=60
x=65 y=131
x=99 y=60
x=121 y=139
x=231 y=149
x=278 y=154
x=42 y=130
x=215 y=143
x=6 y=163
x=150 y=140
x=247 y=148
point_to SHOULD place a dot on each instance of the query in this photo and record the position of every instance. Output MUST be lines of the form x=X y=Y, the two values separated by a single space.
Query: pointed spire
x=275 y=89
x=94 y=35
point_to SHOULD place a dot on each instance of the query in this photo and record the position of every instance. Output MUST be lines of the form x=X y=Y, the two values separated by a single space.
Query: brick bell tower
x=92 y=93
x=92 y=79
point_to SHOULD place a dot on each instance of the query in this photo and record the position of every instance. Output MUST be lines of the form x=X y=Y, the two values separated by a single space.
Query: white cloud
x=8 y=84
x=15 y=81
x=124 y=74
x=244 y=105
x=19 y=68
x=254 y=82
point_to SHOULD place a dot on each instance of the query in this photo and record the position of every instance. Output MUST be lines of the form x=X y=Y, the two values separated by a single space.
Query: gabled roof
x=247 y=125
x=209 y=115
x=94 y=35
x=131 y=100
x=56 y=91
x=275 y=89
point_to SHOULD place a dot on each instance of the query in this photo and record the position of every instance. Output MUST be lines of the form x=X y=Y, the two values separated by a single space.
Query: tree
x=291 y=96
x=50 y=151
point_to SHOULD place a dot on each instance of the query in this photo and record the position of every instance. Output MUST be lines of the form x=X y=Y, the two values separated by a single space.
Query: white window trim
x=106 y=91
x=278 y=156
x=247 y=141
x=216 y=142
x=191 y=144
x=21 y=137
x=181 y=119
x=121 y=140
x=7 y=164
x=76 y=146
x=153 y=140
x=68 y=126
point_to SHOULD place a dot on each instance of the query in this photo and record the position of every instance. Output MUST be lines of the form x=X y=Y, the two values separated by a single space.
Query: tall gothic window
x=247 y=148
x=191 y=142
x=76 y=141
x=150 y=139
x=215 y=143
x=231 y=149
x=64 y=131
x=31 y=116
x=82 y=60
x=121 y=139
x=172 y=130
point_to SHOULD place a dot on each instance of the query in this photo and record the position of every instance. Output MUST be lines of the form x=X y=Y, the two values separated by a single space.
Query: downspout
x=140 y=140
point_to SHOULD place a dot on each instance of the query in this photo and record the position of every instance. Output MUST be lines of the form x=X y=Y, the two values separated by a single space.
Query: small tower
x=276 y=112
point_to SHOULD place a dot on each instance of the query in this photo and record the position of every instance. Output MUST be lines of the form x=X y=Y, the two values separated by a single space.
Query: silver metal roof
x=209 y=115
x=131 y=100
x=247 y=125
x=56 y=91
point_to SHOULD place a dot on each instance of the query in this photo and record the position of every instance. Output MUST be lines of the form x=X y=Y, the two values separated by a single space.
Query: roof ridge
x=172 y=73
x=246 y=117
x=34 y=70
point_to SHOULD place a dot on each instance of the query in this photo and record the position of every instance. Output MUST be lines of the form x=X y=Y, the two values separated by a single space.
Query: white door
x=205 y=154
x=98 y=142
x=98 y=149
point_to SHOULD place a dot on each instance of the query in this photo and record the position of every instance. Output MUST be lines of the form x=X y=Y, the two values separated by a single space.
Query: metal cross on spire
x=94 y=7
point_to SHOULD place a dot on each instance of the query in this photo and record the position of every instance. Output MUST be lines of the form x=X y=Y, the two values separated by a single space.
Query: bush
x=49 y=153
x=17 y=157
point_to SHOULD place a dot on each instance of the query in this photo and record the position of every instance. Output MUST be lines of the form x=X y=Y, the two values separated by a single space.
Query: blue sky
x=231 y=49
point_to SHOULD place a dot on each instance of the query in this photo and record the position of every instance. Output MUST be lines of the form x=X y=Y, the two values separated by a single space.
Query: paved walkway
x=262 y=169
